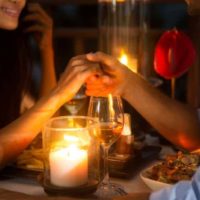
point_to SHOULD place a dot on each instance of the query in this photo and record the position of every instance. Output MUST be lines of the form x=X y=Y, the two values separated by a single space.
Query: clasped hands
x=105 y=74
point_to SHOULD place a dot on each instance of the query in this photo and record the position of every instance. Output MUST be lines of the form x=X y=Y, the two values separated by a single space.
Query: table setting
x=97 y=155
x=57 y=181
x=74 y=162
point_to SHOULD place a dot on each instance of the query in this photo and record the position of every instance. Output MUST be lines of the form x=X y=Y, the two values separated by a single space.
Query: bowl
x=152 y=184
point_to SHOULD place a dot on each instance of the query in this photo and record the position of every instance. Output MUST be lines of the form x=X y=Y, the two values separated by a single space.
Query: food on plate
x=174 y=168
x=32 y=157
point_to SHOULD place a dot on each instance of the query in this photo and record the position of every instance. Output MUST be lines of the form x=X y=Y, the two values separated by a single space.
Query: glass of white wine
x=109 y=111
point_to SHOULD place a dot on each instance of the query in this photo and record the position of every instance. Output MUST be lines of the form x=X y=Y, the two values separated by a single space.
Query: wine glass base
x=108 y=191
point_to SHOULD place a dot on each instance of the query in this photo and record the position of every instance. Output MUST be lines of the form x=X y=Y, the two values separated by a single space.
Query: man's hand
x=114 y=78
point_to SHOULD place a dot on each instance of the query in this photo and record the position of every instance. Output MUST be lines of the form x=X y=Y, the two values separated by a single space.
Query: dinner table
x=26 y=188
x=29 y=187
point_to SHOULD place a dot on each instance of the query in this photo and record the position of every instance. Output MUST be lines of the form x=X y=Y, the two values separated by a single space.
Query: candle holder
x=71 y=156
x=119 y=27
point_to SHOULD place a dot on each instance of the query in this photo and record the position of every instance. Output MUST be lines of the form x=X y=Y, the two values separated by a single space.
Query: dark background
x=76 y=32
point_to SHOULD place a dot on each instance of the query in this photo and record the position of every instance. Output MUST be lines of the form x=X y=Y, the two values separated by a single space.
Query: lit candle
x=130 y=62
x=68 y=166
x=127 y=125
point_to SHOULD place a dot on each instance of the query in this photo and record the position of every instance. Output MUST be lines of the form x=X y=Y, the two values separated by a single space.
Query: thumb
x=108 y=61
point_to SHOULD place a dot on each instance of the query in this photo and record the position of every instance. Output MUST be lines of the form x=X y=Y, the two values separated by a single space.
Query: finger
x=92 y=79
x=75 y=81
x=100 y=92
x=35 y=7
x=36 y=18
x=80 y=65
x=107 y=80
x=97 y=93
x=101 y=79
x=79 y=57
x=95 y=87
x=35 y=28
x=78 y=62
x=98 y=87
x=76 y=70
x=103 y=58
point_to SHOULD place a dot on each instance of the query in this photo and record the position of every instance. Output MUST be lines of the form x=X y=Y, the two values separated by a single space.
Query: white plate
x=152 y=184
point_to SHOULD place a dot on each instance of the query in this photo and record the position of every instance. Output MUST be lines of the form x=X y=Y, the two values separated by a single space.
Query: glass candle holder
x=71 y=156
x=119 y=27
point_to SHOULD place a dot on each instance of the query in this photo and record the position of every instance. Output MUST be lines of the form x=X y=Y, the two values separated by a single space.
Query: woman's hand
x=78 y=70
x=42 y=25
x=115 y=77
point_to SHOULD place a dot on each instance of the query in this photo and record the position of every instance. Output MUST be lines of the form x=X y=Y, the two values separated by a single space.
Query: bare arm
x=175 y=121
x=17 y=135
x=42 y=29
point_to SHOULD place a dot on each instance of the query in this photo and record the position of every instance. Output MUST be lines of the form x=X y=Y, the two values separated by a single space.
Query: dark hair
x=15 y=70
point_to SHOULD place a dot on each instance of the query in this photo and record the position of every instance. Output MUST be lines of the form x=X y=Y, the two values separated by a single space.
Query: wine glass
x=77 y=102
x=109 y=111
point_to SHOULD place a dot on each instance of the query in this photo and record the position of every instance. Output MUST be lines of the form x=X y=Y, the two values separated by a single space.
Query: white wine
x=109 y=132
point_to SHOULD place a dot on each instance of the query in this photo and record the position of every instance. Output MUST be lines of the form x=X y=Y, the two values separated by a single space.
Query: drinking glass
x=77 y=102
x=109 y=111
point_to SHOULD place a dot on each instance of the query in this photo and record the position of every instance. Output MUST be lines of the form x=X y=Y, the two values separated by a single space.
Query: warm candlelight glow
x=124 y=59
x=129 y=61
x=71 y=138
x=68 y=164
x=127 y=125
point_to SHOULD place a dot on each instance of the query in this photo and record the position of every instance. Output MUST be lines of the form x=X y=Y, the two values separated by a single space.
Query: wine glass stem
x=106 y=165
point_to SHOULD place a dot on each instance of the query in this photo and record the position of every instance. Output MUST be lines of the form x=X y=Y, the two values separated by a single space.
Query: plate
x=175 y=167
x=152 y=184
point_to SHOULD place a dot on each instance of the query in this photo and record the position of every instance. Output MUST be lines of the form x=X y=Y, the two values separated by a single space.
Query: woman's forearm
x=17 y=136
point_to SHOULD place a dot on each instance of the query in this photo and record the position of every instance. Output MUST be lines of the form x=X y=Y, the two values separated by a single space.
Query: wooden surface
x=136 y=196
x=9 y=195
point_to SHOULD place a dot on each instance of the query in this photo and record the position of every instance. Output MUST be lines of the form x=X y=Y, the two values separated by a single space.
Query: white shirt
x=183 y=190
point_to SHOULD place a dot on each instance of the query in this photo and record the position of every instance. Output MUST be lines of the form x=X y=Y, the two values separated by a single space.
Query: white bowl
x=152 y=184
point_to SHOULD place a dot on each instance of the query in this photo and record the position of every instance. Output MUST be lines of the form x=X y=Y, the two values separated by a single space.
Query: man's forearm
x=175 y=121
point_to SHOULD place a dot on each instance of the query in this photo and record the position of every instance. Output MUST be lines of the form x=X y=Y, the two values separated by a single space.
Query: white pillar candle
x=68 y=166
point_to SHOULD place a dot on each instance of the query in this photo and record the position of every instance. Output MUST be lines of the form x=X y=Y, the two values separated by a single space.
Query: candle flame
x=130 y=62
x=124 y=59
